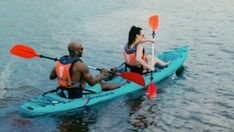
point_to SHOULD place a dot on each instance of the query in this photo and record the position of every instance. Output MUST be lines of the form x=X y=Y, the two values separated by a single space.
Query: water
x=200 y=100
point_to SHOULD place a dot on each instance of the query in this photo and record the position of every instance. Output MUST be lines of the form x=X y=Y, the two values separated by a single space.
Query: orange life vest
x=62 y=68
x=130 y=55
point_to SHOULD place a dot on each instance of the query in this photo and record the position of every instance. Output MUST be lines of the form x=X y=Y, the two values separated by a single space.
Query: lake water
x=200 y=100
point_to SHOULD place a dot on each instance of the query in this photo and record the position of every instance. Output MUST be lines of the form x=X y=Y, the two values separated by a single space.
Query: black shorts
x=70 y=93
x=133 y=68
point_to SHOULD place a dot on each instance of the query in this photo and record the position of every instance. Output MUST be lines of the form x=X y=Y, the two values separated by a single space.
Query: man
x=72 y=74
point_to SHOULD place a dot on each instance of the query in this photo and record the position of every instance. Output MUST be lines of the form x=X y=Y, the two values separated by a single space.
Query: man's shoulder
x=78 y=65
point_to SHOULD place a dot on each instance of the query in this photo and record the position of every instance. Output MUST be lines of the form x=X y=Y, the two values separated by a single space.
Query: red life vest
x=62 y=68
x=130 y=55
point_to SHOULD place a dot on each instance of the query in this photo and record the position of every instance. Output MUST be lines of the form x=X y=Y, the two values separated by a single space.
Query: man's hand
x=104 y=73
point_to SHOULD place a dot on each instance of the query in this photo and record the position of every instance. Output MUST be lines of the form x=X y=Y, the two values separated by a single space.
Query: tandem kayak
x=52 y=103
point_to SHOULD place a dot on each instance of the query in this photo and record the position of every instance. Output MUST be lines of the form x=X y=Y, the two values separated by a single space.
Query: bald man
x=72 y=74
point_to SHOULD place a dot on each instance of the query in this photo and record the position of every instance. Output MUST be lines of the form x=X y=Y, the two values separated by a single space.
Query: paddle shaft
x=94 y=68
x=27 y=52
x=46 y=57
x=90 y=67
x=126 y=75
x=151 y=74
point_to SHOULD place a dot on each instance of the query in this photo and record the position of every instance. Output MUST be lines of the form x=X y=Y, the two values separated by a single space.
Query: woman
x=134 y=54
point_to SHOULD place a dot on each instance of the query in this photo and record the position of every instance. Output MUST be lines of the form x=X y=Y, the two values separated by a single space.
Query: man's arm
x=87 y=76
x=53 y=74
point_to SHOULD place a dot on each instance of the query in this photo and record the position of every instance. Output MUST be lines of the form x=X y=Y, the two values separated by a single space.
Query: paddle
x=152 y=89
x=28 y=53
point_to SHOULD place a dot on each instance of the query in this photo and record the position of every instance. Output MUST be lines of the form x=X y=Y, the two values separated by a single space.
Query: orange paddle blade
x=153 y=22
x=132 y=77
x=23 y=51
x=151 y=90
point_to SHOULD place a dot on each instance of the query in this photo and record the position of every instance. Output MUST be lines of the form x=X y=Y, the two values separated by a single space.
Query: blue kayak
x=52 y=103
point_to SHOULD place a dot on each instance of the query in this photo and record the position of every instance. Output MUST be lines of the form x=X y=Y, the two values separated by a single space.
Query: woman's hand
x=151 y=68
x=151 y=40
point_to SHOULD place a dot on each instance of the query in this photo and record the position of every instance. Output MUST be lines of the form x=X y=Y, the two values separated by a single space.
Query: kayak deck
x=51 y=102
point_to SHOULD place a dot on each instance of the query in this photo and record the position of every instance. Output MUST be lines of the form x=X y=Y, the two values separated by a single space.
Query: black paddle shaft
x=42 y=56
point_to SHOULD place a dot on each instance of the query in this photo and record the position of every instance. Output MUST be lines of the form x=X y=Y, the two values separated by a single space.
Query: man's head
x=75 y=49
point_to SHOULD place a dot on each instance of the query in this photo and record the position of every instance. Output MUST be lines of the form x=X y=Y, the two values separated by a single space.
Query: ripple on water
x=144 y=117
x=16 y=95
x=213 y=43
x=227 y=51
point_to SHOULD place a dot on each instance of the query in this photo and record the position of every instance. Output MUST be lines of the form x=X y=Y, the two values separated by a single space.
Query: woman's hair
x=132 y=34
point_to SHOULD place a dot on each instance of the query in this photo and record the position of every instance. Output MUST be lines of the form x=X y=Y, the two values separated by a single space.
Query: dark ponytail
x=132 y=34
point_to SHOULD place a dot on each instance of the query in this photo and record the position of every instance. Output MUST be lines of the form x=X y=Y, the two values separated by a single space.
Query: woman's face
x=141 y=36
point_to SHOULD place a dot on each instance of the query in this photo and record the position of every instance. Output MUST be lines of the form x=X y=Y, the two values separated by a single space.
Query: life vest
x=130 y=55
x=63 y=67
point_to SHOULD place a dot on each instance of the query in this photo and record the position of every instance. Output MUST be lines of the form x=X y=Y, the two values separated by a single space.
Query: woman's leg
x=160 y=62
x=156 y=61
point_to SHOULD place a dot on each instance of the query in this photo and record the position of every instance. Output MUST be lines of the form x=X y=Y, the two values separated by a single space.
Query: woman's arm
x=139 y=54
x=146 y=41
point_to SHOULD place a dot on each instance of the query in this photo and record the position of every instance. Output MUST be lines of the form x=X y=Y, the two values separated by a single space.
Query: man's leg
x=109 y=86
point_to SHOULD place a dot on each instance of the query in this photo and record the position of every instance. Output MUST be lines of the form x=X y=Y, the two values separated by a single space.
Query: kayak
x=50 y=102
